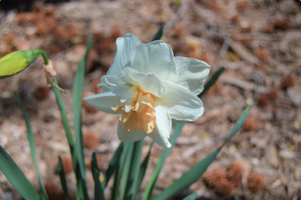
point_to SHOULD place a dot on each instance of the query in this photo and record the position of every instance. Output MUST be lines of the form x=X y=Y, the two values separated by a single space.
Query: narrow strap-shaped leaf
x=198 y=169
x=62 y=177
x=134 y=170
x=122 y=170
x=193 y=196
x=143 y=168
x=158 y=34
x=89 y=46
x=32 y=146
x=16 y=177
x=62 y=109
x=212 y=80
x=98 y=190
x=126 y=170
x=152 y=182
x=113 y=164
x=77 y=105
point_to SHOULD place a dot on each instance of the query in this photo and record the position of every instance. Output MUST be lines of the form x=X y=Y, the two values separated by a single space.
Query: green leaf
x=113 y=164
x=77 y=105
x=32 y=146
x=62 y=177
x=143 y=168
x=212 y=80
x=16 y=177
x=89 y=46
x=98 y=190
x=17 y=61
x=158 y=34
x=198 y=169
x=152 y=182
x=126 y=169
x=77 y=120
x=192 y=196
x=62 y=109
x=134 y=171
x=123 y=167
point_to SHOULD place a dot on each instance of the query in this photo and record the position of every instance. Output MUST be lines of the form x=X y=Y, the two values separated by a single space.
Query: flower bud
x=17 y=61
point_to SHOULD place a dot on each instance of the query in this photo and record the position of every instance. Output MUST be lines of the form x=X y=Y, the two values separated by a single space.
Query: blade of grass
x=113 y=164
x=158 y=34
x=77 y=105
x=123 y=166
x=212 y=80
x=152 y=182
x=16 y=177
x=193 y=196
x=62 y=109
x=62 y=177
x=32 y=146
x=89 y=46
x=98 y=190
x=126 y=170
x=198 y=169
x=134 y=171
x=143 y=168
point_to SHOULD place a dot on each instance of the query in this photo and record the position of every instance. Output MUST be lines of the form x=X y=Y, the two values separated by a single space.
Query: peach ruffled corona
x=140 y=112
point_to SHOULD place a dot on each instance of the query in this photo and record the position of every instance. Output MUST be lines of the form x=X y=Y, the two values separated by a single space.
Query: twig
x=177 y=18
x=243 y=84
x=213 y=27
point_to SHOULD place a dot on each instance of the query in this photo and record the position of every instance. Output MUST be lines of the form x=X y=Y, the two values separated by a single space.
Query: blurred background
x=258 y=42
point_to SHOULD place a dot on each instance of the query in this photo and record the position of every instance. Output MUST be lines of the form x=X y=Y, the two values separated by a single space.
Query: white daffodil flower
x=150 y=87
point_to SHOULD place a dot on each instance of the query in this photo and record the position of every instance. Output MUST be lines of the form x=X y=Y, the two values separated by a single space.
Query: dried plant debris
x=91 y=140
x=256 y=182
x=216 y=180
x=287 y=81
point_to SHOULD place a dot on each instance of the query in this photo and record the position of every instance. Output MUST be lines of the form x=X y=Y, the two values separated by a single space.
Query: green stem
x=44 y=56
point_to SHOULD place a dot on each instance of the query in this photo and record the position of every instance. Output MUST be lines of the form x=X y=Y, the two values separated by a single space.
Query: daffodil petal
x=148 y=82
x=128 y=105
x=155 y=57
x=161 y=132
x=130 y=93
x=130 y=136
x=124 y=48
x=109 y=83
x=182 y=104
x=192 y=73
x=105 y=100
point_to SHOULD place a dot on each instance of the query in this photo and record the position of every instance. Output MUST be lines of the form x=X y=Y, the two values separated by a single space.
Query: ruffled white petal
x=192 y=73
x=109 y=83
x=128 y=105
x=122 y=57
x=182 y=104
x=155 y=57
x=148 y=82
x=161 y=132
x=130 y=136
x=105 y=100
x=130 y=93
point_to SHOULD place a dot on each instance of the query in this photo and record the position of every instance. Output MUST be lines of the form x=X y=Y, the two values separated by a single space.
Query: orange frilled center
x=141 y=114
